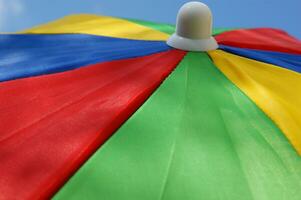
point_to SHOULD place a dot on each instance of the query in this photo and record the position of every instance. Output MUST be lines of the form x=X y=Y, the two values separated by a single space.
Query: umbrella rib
x=173 y=148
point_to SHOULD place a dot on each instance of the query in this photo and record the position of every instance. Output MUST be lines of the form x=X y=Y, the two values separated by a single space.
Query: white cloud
x=9 y=9
x=17 y=7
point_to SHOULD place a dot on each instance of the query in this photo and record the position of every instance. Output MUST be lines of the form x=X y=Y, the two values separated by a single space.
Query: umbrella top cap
x=194 y=28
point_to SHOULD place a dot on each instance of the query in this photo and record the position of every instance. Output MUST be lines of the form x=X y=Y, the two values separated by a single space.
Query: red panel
x=51 y=124
x=261 y=39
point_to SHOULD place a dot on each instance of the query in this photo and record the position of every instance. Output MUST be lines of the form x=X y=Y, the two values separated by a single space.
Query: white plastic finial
x=194 y=28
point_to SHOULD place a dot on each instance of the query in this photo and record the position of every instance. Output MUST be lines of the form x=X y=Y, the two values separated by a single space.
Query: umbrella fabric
x=262 y=39
x=197 y=137
x=289 y=61
x=99 y=25
x=269 y=87
x=221 y=126
x=57 y=53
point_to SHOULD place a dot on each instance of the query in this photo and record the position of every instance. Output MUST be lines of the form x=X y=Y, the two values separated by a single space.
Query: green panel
x=217 y=31
x=197 y=137
x=170 y=29
x=166 y=28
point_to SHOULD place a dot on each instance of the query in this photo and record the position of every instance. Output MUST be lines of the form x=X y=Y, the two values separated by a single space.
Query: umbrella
x=96 y=107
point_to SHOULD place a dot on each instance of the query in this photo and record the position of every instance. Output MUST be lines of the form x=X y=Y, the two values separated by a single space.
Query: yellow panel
x=99 y=25
x=277 y=91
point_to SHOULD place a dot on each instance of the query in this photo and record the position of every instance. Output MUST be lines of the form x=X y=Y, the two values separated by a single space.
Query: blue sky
x=20 y=14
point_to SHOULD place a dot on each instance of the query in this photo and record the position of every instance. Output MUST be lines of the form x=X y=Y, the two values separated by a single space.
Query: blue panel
x=32 y=55
x=289 y=61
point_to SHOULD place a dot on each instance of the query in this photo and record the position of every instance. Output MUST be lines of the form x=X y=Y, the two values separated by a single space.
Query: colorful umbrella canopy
x=95 y=107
